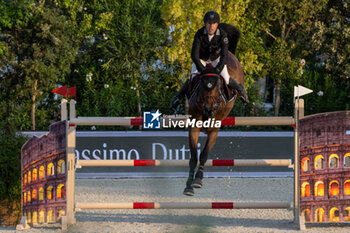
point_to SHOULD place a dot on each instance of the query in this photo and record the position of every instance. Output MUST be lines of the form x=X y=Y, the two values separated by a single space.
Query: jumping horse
x=209 y=98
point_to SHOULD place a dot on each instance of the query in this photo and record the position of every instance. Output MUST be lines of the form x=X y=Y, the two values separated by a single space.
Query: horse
x=207 y=102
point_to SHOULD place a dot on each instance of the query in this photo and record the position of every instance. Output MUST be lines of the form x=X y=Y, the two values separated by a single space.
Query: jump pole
x=70 y=182
x=184 y=163
x=184 y=205
x=298 y=114
x=137 y=121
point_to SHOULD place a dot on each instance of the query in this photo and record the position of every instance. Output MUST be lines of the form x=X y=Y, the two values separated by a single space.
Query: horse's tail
x=233 y=35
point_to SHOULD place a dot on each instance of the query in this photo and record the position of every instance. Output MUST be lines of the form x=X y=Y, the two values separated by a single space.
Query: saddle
x=226 y=93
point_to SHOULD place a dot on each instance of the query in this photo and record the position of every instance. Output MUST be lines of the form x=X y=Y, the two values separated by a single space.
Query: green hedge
x=10 y=165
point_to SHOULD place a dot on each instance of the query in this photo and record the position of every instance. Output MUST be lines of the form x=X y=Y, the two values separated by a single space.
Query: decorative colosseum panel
x=325 y=167
x=44 y=176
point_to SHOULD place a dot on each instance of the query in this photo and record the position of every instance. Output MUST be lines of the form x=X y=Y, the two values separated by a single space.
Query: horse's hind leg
x=211 y=139
x=193 y=138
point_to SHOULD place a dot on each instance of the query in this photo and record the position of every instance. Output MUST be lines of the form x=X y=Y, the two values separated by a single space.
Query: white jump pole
x=70 y=182
x=299 y=113
x=64 y=110
x=184 y=163
x=283 y=120
x=184 y=205
x=133 y=121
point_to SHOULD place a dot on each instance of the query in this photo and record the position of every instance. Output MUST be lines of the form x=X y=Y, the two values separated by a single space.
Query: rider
x=210 y=46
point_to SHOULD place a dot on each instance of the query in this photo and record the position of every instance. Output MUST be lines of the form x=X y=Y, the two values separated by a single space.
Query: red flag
x=72 y=92
x=61 y=91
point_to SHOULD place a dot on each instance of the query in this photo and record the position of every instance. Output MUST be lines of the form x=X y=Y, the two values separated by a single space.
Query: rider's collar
x=217 y=32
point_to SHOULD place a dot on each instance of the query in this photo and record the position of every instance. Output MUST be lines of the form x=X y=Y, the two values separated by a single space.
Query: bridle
x=214 y=98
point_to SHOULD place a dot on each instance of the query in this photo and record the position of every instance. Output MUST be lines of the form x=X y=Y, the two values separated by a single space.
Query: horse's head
x=209 y=94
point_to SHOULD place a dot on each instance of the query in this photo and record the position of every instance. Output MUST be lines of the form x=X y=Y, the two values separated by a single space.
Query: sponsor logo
x=186 y=121
x=225 y=40
x=151 y=120
x=158 y=150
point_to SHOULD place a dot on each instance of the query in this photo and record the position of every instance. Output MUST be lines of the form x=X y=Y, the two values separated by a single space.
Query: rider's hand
x=210 y=71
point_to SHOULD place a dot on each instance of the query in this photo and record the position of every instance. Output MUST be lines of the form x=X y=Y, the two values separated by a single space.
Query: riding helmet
x=212 y=17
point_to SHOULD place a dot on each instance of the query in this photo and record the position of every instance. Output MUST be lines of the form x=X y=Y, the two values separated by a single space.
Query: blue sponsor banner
x=173 y=145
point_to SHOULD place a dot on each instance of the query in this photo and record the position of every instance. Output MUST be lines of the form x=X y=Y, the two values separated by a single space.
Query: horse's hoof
x=188 y=191
x=197 y=183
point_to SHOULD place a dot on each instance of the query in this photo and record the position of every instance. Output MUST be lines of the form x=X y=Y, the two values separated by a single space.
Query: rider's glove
x=210 y=71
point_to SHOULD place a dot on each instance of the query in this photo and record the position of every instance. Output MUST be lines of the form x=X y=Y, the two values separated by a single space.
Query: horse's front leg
x=193 y=140
x=211 y=139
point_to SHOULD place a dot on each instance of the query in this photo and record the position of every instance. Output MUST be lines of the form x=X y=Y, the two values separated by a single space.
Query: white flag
x=300 y=91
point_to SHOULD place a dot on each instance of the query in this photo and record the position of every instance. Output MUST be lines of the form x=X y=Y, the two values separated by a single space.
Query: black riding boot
x=178 y=96
x=240 y=88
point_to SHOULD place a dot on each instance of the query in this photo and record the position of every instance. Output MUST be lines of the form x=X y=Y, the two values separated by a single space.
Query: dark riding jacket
x=205 y=50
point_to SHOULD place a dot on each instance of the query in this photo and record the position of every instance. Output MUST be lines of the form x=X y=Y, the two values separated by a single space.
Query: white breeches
x=224 y=72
